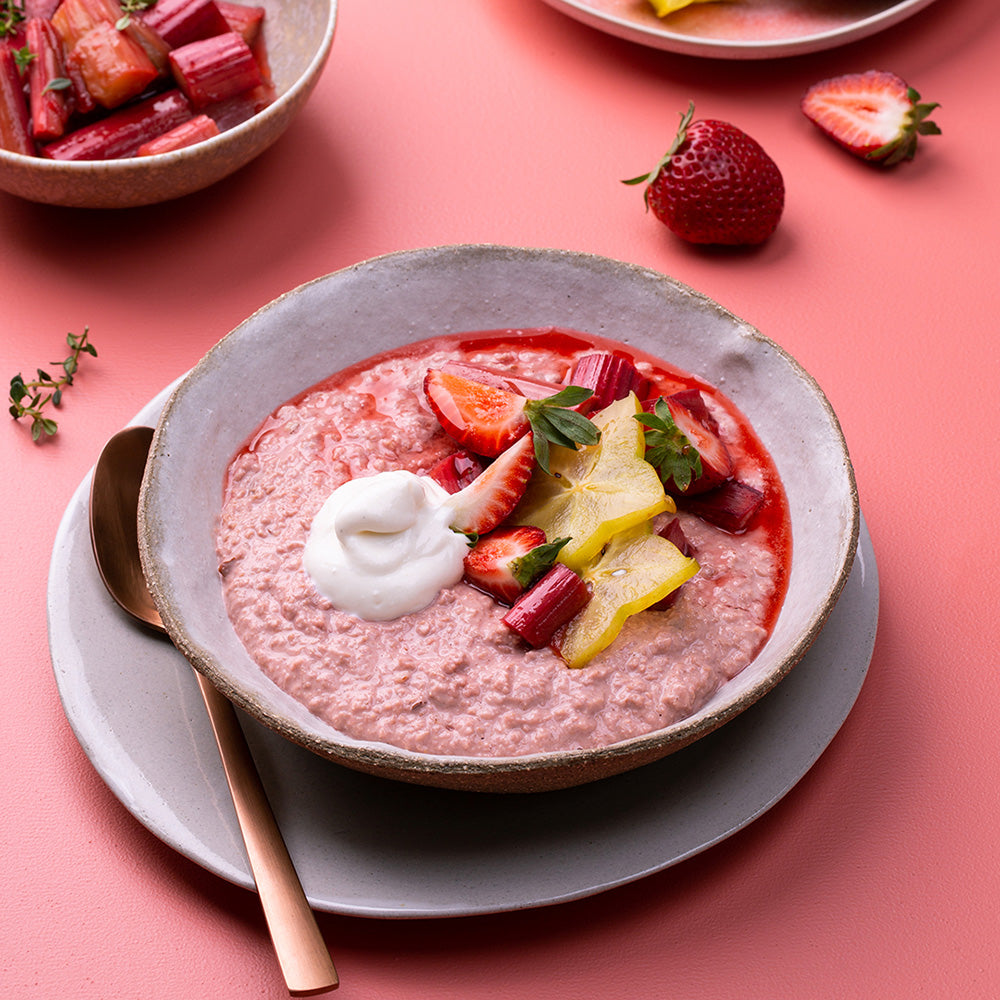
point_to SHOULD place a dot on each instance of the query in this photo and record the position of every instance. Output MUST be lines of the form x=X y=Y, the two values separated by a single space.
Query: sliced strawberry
x=490 y=498
x=497 y=563
x=692 y=399
x=610 y=376
x=559 y=596
x=689 y=456
x=531 y=387
x=875 y=115
x=487 y=419
x=484 y=418
x=716 y=463
x=456 y=471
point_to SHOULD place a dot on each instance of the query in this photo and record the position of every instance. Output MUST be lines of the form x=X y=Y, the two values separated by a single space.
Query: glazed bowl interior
x=344 y=317
x=298 y=36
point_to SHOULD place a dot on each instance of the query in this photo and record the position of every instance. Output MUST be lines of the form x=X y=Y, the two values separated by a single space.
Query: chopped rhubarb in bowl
x=514 y=640
x=116 y=115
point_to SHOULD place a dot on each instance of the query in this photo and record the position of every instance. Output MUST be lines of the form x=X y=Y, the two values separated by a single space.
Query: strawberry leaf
x=553 y=422
x=529 y=567
x=668 y=449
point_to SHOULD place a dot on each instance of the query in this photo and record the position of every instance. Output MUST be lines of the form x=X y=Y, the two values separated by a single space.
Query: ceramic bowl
x=298 y=37
x=390 y=301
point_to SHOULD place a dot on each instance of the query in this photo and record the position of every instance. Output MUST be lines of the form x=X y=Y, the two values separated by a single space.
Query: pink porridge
x=452 y=678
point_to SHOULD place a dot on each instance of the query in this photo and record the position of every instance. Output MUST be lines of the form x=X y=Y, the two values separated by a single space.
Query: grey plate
x=636 y=22
x=366 y=846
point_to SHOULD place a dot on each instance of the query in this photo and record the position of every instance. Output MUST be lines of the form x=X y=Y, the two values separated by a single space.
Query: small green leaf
x=552 y=423
x=668 y=449
x=57 y=83
x=529 y=567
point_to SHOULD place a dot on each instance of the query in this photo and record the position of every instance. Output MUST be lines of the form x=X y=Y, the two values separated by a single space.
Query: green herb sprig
x=29 y=398
x=668 y=449
x=130 y=7
x=553 y=421
x=11 y=17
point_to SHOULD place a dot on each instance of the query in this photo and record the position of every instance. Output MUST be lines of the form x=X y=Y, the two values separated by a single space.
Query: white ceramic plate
x=366 y=846
x=743 y=29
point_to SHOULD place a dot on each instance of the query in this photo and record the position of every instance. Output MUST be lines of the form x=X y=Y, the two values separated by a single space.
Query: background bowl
x=344 y=317
x=298 y=36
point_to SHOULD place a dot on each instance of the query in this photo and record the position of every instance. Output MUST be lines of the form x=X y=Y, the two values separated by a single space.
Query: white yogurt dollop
x=380 y=547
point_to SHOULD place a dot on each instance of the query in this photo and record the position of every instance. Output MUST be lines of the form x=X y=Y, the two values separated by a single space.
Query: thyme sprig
x=130 y=7
x=11 y=17
x=29 y=398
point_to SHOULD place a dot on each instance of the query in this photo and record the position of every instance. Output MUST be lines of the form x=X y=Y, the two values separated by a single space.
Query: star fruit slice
x=595 y=492
x=637 y=570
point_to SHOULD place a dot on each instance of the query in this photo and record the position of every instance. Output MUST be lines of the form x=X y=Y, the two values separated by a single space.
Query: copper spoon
x=114 y=496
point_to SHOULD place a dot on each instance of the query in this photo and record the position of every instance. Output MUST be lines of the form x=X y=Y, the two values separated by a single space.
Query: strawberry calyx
x=904 y=146
x=554 y=421
x=668 y=448
x=648 y=178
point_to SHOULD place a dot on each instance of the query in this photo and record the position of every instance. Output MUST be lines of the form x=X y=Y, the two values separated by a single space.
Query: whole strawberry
x=715 y=184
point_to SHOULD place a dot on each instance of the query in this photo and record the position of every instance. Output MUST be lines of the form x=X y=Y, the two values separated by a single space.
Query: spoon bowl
x=114 y=496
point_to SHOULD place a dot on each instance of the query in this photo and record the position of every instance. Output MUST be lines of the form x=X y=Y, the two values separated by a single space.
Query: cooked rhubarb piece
x=215 y=68
x=114 y=67
x=74 y=18
x=730 y=506
x=597 y=491
x=150 y=42
x=194 y=130
x=559 y=596
x=83 y=100
x=40 y=8
x=15 y=134
x=123 y=131
x=456 y=471
x=49 y=98
x=674 y=533
x=636 y=570
x=609 y=375
x=243 y=18
x=179 y=22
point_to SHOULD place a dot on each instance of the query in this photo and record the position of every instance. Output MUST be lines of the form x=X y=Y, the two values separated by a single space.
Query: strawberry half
x=533 y=388
x=489 y=499
x=685 y=450
x=874 y=115
x=715 y=184
x=507 y=561
x=488 y=419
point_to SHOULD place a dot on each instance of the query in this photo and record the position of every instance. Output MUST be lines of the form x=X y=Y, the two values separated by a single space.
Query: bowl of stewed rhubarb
x=496 y=519
x=120 y=103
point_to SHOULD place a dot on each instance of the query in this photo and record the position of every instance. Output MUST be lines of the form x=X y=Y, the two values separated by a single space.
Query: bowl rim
x=411 y=764
x=230 y=137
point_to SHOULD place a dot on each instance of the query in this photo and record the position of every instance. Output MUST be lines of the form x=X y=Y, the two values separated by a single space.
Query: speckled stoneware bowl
x=298 y=36
x=342 y=318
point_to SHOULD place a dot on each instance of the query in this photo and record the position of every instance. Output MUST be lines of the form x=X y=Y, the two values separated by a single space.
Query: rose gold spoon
x=114 y=495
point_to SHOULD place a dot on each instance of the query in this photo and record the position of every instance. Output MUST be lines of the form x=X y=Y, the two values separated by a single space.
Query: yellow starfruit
x=636 y=570
x=597 y=491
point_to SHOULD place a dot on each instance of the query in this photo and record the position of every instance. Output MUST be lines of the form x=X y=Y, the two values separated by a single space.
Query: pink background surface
x=504 y=121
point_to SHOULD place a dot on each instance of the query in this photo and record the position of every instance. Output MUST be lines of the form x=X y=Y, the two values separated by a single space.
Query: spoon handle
x=302 y=953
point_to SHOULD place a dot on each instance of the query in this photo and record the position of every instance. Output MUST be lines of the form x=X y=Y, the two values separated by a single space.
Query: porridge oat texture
x=452 y=679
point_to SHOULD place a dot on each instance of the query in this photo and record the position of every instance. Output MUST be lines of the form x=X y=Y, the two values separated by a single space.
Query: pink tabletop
x=509 y=122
